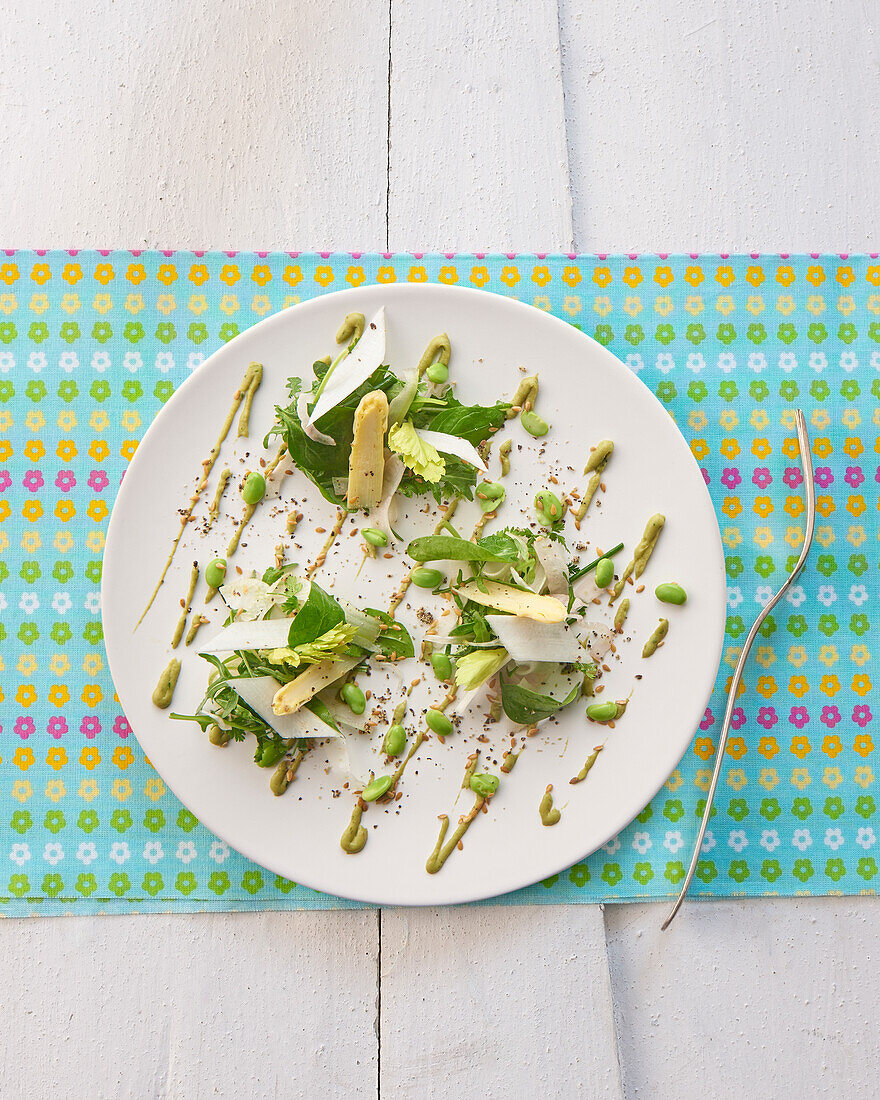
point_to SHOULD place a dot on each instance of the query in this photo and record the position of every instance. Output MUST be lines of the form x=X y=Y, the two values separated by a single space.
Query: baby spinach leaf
x=317 y=615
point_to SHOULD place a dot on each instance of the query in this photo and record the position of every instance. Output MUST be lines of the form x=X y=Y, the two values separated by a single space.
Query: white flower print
x=37 y=361
x=796 y=595
x=709 y=841
x=20 y=854
x=734 y=597
x=153 y=852
x=164 y=362
x=61 y=602
x=726 y=362
x=7 y=362
x=695 y=362
x=865 y=837
x=757 y=362
x=849 y=361
x=194 y=359
x=737 y=840
x=818 y=361
x=801 y=839
x=787 y=361
x=219 y=851
x=186 y=851
x=101 y=361
x=833 y=839
x=665 y=362
x=858 y=594
x=69 y=361
x=641 y=842
x=826 y=595
x=53 y=853
x=673 y=841
x=87 y=853
x=132 y=361
x=119 y=851
x=770 y=840
x=28 y=603
x=92 y=602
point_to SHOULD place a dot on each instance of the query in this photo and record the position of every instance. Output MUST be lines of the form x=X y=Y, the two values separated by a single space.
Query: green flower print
x=787 y=333
x=88 y=821
x=69 y=332
x=603 y=333
x=820 y=390
x=30 y=571
x=817 y=332
x=706 y=871
x=52 y=885
x=134 y=332
x=696 y=334
x=197 y=332
x=788 y=390
x=802 y=808
x=697 y=392
x=833 y=808
x=756 y=333
x=634 y=335
x=92 y=572
x=86 y=884
x=835 y=869
x=796 y=625
x=186 y=821
x=866 y=867
x=770 y=809
x=99 y=390
x=166 y=332
x=35 y=390
x=218 y=883
x=643 y=873
x=8 y=332
x=54 y=821
x=68 y=390
x=728 y=390
x=579 y=875
x=163 y=390
x=38 y=332
x=738 y=809
x=771 y=870
x=93 y=633
x=119 y=883
x=734 y=566
x=738 y=870
x=847 y=333
x=667 y=392
x=857 y=564
x=826 y=565
x=865 y=806
x=674 y=872
x=28 y=633
x=153 y=883
x=673 y=809
x=726 y=334
x=121 y=820
x=60 y=633
x=21 y=822
x=735 y=626
x=759 y=391
x=185 y=882
x=154 y=820
x=764 y=566
x=101 y=332
x=132 y=391
x=664 y=335
x=859 y=625
x=645 y=815
x=252 y=881
x=62 y=571
x=611 y=874
x=802 y=870
x=828 y=625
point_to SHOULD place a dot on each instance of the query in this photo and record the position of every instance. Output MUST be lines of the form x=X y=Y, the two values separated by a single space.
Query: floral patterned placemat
x=93 y=343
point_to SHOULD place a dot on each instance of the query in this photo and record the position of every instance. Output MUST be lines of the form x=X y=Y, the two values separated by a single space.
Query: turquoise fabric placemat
x=93 y=343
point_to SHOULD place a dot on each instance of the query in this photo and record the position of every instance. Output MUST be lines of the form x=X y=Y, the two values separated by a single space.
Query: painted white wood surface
x=263 y=124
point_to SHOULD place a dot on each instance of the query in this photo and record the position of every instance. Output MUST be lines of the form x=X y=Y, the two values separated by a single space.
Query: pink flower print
x=799 y=717
x=767 y=717
x=730 y=478
x=792 y=477
x=98 y=481
x=862 y=715
x=121 y=726
x=90 y=725
x=33 y=481
x=708 y=719
x=57 y=727
x=738 y=718
x=24 y=727
x=5 y=480
x=761 y=477
x=65 y=480
x=823 y=476
x=829 y=717
x=854 y=476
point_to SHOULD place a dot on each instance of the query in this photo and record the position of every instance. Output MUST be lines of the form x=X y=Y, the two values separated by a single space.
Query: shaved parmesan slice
x=453 y=445
x=380 y=516
x=596 y=638
x=527 y=640
x=400 y=404
x=250 y=634
x=302 y=411
x=354 y=369
x=291 y=697
x=504 y=597
x=554 y=562
x=259 y=691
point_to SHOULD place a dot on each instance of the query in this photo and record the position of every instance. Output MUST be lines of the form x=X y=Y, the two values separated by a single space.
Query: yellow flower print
x=23 y=757
x=736 y=778
x=417 y=274
x=72 y=274
x=154 y=789
x=31 y=542
x=602 y=306
x=844 y=275
x=846 y=304
x=632 y=276
x=99 y=421
x=510 y=276
x=167 y=274
x=130 y=420
x=693 y=304
x=102 y=304
x=828 y=655
x=702 y=779
x=725 y=305
x=120 y=790
x=166 y=304
x=8 y=273
x=797 y=656
x=541 y=301
x=851 y=418
x=832 y=745
x=262 y=274
x=22 y=790
x=632 y=306
x=448 y=275
x=27 y=665
x=697 y=420
x=324 y=275
x=832 y=777
x=63 y=542
x=759 y=420
x=8 y=303
x=572 y=305
x=732 y=537
x=725 y=275
x=92 y=664
x=41 y=274
x=820 y=419
x=815 y=304
x=693 y=275
x=389 y=275
x=755 y=304
x=355 y=275
x=765 y=656
x=675 y=781
x=729 y=420
x=261 y=305
x=34 y=450
x=861 y=684
x=104 y=274
x=856 y=536
x=95 y=541
x=859 y=655
x=663 y=276
x=89 y=757
x=88 y=790
x=6 y=420
x=59 y=696
x=663 y=305
x=67 y=420
x=768 y=778
x=134 y=303
x=198 y=274
x=123 y=757
x=32 y=511
x=98 y=450
x=92 y=695
x=829 y=685
x=70 y=303
x=135 y=274
x=763 y=537
x=815 y=275
x=229 y=304
x=198 y=304
x=290 y=300
x=292 y=274
x=699 y=449
x=128 y=449
x=864 y=776
x=39 y=304
x=785 y=304
x=754 y=275
x=825 y=536
x=59 y=664
x=34 y=421
x=541 y=276
x=571 y=276
x=873 y=303
x=800 y=778
x=56 y=757
x=602 y=276
x=55 y=790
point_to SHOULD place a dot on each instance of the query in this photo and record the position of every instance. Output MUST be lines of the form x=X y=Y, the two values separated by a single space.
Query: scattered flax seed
x=238 y=569
x=553 y=480
x=602 y=486
x=596 y=599
x=629 y=580
x=598 y=689
x=389 y=556
x=606 y=668
x=320 y=530
x=611 y=725
x=641 y=588
x=531 y=731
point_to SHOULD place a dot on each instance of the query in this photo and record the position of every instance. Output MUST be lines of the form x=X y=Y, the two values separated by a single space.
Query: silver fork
x=810 y=491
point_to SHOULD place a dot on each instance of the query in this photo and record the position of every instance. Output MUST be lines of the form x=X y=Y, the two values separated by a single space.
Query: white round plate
x=587 y=395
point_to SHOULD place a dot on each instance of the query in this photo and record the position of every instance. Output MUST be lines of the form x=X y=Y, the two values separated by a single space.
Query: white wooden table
x=508 y=124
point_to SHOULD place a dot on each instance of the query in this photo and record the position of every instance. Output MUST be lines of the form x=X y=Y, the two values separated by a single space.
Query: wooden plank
x=733 y=127
x=785 y=987
x=496 y=1002
x=262 y=1004
x=478 y=156
x=193 y=124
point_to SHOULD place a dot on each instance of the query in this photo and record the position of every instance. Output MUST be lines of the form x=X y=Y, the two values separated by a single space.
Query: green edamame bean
x=549 y=508
x=602 y=712
x=670 y=593
x=374 y=536
x=395 y=740
x=484 y=785
x=490 y=494
x=424 y=577
x=438 y=722
x=604 y=572
x=535 y=425
x=254 y=488
x=376 y=788
x=437 y=373
x=218 y=736
x=354 y=698
x=442 y=666
x=269 y=753
x=279 y=782
x=215 y=572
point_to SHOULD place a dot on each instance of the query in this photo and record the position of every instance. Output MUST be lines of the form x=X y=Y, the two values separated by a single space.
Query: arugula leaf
x=317 y=615
x=320 y=708
x=395 y=641
x=527 y=707
x=448 y=548
x=471 y=422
